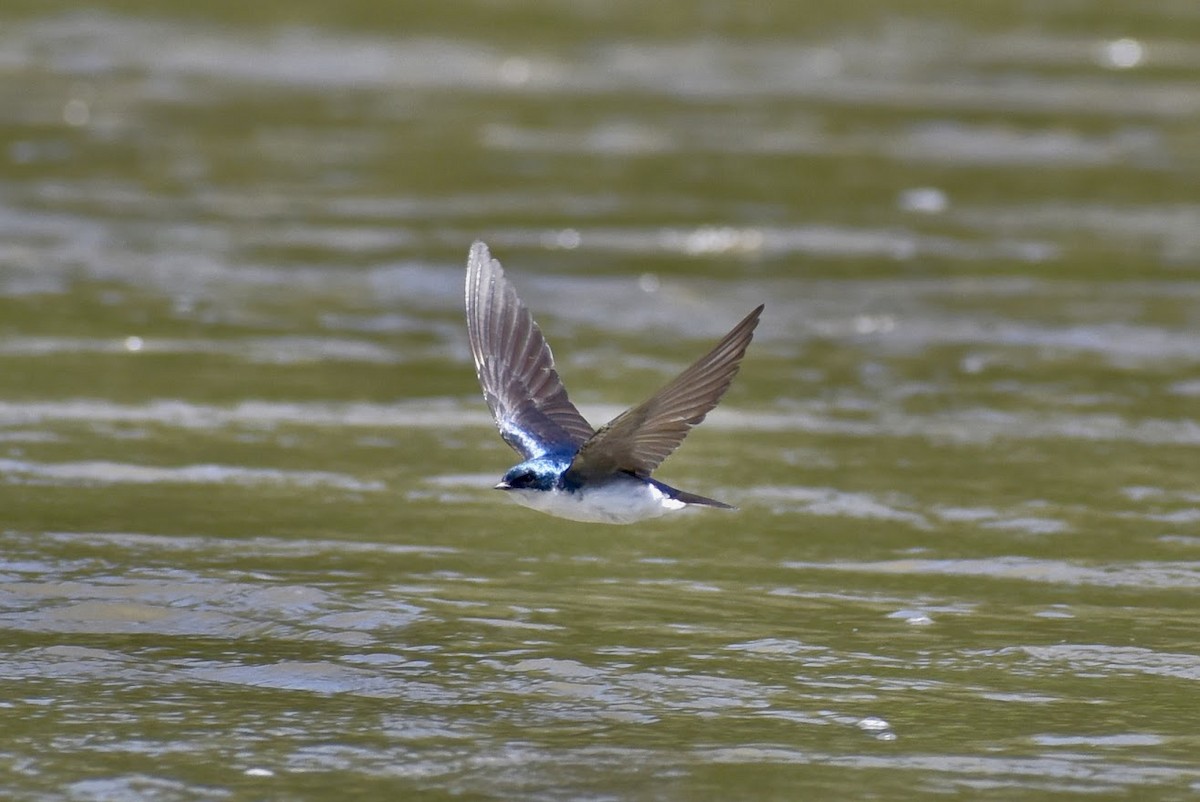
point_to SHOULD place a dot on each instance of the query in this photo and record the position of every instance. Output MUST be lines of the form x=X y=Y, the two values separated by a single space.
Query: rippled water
x=249 y=548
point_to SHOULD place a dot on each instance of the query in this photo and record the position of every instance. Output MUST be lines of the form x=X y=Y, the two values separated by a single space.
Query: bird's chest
x=611 y=503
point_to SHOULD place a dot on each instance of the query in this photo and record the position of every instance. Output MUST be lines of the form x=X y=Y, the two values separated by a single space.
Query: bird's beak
x=502 y=486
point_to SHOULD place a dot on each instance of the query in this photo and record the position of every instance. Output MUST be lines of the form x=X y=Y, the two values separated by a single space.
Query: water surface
x=249 y=548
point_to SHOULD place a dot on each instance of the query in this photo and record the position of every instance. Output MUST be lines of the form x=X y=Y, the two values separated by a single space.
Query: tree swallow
x=569 y=469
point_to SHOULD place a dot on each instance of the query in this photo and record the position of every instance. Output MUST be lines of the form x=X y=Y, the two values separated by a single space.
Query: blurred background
x=249 y=548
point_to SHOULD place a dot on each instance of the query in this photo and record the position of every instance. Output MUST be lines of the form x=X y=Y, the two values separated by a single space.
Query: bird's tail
x=692 y=498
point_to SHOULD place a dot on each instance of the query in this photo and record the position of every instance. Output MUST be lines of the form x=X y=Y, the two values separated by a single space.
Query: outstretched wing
x=638 y=440
x=515 y=366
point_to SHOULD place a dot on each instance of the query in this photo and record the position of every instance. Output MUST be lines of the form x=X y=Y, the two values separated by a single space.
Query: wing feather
x=639 y=439
x=515 y=366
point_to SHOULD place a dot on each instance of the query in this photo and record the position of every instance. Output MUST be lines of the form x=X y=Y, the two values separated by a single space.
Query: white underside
x=612 y=503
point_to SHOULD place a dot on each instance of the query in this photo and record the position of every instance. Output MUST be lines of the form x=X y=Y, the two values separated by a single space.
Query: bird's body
x=623 y=499
x=570 y=470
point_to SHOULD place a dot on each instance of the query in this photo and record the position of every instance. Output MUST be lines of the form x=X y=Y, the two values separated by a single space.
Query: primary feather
x=515 y=365
x=639 y=439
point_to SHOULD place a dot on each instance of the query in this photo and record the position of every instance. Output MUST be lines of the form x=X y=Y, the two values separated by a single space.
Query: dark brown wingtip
x=755 y=315
x=742 y=333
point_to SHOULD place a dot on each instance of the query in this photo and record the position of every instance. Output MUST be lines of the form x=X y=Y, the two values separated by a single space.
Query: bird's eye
x=525 y=479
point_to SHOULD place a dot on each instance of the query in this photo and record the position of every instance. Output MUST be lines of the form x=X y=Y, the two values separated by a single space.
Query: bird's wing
x=515 y=366
x=639 y=439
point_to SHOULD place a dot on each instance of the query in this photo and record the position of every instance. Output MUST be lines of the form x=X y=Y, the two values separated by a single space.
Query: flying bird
x=569 y=469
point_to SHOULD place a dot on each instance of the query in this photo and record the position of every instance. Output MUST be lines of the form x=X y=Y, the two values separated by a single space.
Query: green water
x=249 y=548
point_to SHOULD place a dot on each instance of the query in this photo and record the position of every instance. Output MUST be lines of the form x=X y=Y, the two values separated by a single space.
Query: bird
x=568 y=469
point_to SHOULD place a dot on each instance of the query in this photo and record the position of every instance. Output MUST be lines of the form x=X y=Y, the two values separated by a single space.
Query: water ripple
x=1178 y=575
x=98 y=472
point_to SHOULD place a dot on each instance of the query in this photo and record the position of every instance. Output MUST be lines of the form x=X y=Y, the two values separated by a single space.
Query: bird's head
x=539 y=473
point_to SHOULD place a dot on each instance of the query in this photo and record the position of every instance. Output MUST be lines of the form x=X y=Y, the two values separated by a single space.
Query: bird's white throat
x=620 y=502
